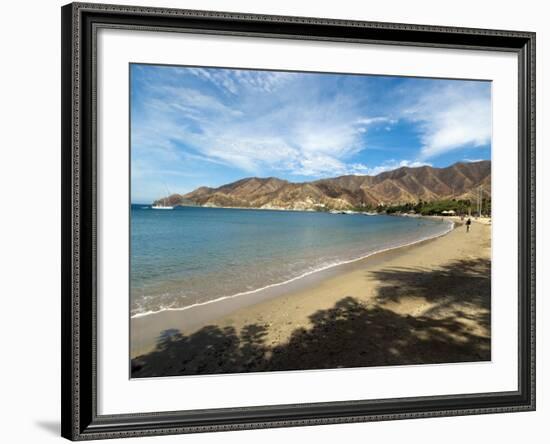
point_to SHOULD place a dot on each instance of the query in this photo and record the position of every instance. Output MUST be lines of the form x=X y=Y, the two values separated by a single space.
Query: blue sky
x=206 y=126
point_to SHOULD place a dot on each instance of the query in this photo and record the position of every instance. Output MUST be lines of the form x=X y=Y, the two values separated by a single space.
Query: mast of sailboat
x=163 y=202
x=167 y=193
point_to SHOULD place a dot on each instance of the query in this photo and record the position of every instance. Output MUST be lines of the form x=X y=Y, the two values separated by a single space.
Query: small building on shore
x=448 y=212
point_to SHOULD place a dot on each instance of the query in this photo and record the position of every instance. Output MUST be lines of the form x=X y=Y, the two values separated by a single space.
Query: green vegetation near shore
x=437 y=207
x=431 y=208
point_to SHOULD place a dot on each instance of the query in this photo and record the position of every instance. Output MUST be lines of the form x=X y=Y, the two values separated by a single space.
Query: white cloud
x=365 y=122
x=220 y=78
x=267 y=81
x=233 y=81
x=319 y=165
x=375 y=120
x=452 y=117
x=358 y=169
x=191 y=100
x=361 y=169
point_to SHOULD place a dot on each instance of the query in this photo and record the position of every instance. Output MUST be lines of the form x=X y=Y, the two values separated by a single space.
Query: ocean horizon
x=191 y=256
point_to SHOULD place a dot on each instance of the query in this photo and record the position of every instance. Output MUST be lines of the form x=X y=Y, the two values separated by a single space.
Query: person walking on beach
x=468 y=223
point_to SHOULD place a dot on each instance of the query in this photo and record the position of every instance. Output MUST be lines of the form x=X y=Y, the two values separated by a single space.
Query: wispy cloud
x=376 y=120
x=389 y=165
x=234 y=81
x=452 y=116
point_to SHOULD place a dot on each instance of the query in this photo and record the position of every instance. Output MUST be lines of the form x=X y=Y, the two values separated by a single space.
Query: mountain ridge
x=399 y=186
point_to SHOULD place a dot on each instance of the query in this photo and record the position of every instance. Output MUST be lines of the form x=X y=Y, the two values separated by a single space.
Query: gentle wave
x=303 y=275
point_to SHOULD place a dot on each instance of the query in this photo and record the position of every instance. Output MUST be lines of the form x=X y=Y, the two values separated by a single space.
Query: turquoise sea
x=195 y=255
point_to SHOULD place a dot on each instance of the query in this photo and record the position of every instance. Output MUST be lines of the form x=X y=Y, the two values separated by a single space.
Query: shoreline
x=146 y=329
x=427 y=303
x=451 y=227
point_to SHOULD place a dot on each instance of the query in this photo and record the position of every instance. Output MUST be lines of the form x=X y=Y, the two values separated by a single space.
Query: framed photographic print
x=280 y=221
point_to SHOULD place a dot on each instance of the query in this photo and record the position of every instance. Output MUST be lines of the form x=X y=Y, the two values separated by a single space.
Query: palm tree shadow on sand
x=454 y=327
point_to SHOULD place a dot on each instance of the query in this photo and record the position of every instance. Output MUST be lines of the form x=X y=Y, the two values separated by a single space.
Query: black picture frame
x=80 y=22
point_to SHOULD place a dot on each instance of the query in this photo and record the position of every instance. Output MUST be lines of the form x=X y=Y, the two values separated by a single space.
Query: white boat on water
x=161 y=205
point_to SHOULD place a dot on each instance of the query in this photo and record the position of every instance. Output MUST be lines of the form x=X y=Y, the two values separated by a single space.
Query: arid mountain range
x=459 y=181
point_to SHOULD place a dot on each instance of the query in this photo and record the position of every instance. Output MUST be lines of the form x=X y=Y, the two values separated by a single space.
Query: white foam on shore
x=303 y=275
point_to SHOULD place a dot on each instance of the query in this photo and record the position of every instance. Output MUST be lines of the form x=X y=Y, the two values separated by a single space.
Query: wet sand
x=425 y=303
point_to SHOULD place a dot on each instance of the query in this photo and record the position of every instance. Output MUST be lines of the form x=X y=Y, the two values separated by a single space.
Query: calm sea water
x=193 y=255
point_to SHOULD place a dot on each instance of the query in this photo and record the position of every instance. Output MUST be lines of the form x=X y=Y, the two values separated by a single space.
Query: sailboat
x=162 y=205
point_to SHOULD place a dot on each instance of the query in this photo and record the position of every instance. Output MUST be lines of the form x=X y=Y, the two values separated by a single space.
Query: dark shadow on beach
x=464 y=282
x=456 y=328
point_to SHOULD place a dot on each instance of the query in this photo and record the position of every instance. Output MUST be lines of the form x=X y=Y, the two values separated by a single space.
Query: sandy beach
x=422 y=304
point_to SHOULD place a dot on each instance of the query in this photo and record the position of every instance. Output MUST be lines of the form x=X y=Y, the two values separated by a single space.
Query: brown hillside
x=402 y=185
